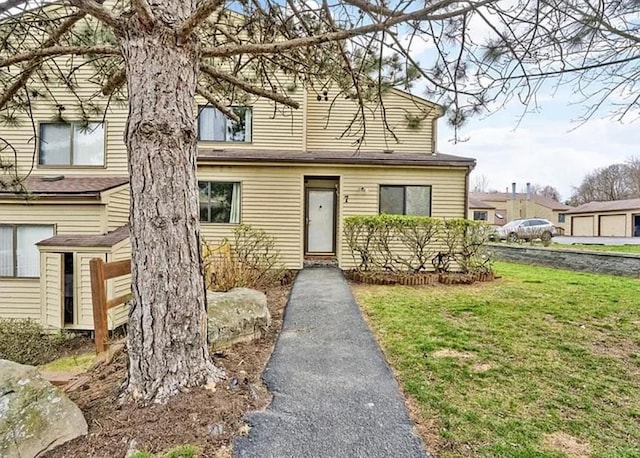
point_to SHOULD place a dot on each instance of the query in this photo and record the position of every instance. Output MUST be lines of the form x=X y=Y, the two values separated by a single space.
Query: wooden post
x=99 y=300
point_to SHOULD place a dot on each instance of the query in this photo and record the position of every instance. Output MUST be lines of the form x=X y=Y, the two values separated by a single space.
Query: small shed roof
x=85 y=240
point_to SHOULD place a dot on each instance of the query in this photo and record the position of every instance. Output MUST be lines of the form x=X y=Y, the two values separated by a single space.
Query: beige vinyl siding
x=119 y=286
x=327 y=121
x=44 y=110
x=118 y=208
x=67 y=218
x=51 y=284
x=84 y=304
x=274 y=126
x=273 y=198
x=20 y=298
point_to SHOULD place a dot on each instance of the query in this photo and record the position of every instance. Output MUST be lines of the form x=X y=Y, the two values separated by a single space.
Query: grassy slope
x=563 y=350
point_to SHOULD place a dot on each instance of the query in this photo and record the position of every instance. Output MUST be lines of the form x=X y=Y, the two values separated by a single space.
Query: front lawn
x=541 y=363
x=614 y=248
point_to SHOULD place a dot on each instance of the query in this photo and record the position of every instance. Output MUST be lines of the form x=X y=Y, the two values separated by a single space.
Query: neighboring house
x=616 y=218
x=522 y=205
x=290 y=172
x=481 y=211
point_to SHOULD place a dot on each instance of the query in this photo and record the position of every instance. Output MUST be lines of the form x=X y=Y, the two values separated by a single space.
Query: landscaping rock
x=35 y=416
x=238 y=315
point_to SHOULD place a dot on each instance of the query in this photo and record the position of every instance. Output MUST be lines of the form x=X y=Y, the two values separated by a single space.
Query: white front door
x=320 y=220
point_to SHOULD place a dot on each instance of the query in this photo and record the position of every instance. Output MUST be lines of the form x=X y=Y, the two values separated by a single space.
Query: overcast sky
x=547 y=147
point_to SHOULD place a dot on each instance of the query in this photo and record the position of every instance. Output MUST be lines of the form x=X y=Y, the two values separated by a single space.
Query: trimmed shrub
x=399 y=243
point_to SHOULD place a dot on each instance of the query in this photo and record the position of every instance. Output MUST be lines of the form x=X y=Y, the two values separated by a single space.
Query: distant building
x=616 y=218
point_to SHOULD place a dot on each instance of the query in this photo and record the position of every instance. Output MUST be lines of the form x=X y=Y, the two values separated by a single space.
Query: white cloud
x=544 y=152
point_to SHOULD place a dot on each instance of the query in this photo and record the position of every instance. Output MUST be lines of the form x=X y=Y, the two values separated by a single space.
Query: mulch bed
x=209 y=420
x=416 y=279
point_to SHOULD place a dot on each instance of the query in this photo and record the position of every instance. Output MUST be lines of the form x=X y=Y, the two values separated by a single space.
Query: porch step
x=319 y=261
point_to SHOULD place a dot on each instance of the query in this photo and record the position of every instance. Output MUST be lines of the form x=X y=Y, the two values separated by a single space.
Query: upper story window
x=19 y=255
x=405 y=200
x=216 y=127
x=72 y=144
x=480 y=215
x=561 y=217
x=219 y=202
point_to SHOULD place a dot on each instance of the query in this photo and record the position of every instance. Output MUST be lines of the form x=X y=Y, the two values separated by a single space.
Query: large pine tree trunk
x=167 y=343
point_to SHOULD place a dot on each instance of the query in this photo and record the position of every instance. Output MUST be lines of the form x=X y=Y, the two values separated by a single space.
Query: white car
x=526 y=229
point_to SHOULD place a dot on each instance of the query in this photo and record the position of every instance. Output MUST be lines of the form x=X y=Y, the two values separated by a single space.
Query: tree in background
x=546 y=191
x=156 y=55
x=614 y=182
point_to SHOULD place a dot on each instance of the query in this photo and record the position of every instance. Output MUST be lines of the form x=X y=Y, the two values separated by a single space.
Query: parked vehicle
x=526 y=229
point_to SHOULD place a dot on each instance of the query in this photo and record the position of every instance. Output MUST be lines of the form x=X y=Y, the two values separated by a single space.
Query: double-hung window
x=405 y=200
x=19 y=255
x=219 y=202
x=214 y=126
x=71 y=144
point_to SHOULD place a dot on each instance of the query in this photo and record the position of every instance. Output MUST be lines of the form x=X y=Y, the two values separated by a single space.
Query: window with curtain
x=19 y=255
x=215 y=126
x=219 y=202
x=72 y=144
x=405 y=200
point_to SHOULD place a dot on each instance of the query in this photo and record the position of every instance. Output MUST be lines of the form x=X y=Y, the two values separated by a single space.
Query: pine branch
x=425 y=14
x=202 y=12
x=247 y=87
x=115 y=82
x=98 y=11
x=59 y=51
x=213 y=101
x=144 y=12
x=35 y=63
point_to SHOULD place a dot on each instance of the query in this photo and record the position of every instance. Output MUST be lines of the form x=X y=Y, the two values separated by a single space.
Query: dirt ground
x=209 y=420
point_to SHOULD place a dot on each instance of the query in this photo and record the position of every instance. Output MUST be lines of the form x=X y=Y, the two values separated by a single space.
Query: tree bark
x=167 y=341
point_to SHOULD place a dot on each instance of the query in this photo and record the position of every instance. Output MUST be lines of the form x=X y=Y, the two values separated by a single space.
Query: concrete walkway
x=333 y=393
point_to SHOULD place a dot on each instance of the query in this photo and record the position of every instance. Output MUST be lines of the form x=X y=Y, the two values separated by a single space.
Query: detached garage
x=617 y=218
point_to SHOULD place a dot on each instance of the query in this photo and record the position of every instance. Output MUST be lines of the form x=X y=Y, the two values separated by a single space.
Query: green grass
x=614 y=248
x=562 y=351
x=76 y=363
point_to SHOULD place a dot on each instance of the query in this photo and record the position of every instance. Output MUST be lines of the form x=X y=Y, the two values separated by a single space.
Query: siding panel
x=273 y=199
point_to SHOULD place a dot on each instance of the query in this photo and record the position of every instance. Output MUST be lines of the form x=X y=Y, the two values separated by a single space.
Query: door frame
x=633 y=224
x=306 y=220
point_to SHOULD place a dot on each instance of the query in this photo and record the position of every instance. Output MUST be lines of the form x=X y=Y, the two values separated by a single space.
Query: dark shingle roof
x=613 y=205
x=476 y=203
x=85 y=240
x=335 y=157
x=54 y=186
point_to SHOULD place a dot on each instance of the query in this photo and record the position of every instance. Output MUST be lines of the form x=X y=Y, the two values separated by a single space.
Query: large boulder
x=35 y=416
x=238 y=315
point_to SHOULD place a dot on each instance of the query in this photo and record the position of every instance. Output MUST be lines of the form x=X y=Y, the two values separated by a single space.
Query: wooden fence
x=101 y=272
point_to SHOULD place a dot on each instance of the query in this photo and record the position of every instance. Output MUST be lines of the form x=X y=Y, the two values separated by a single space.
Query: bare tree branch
x=114 y=83
x=204 y=10
x=248 y=87
x=9 y=4
x=425 y=14
x=98 y=11
x=213 y=101
x=144 y=12
x=60 y=51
